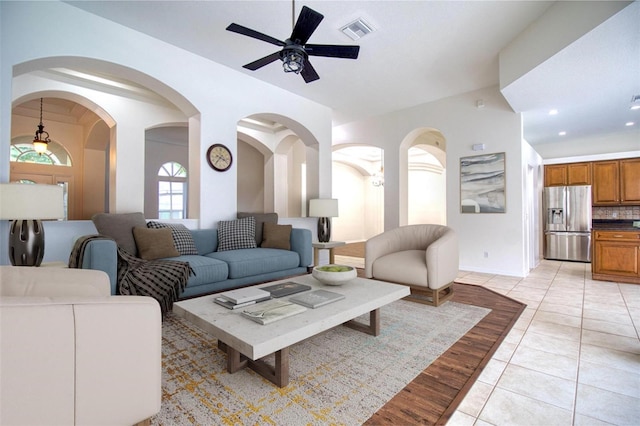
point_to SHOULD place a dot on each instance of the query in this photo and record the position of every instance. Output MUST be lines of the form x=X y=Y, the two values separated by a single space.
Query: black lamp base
x=26 y=242
x=324 y=229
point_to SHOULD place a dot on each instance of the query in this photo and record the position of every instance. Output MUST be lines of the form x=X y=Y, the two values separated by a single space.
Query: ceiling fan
x=295 y=50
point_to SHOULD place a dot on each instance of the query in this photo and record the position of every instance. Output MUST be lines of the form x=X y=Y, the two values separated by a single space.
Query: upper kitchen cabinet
x=579 y=174
x=555 y=175
x=616 y=182
x=606 y=183
x=567 y=174
x=630 y=181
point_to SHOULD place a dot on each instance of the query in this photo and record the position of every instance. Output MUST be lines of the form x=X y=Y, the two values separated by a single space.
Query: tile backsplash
x=616 y=212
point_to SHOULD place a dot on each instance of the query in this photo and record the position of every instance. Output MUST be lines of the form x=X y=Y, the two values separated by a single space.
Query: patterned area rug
x=341 y=376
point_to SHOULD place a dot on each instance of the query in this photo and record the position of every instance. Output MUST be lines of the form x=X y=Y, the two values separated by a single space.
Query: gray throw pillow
x=182 y=237
x=260 y=219
x=119 y=226
x=237 y=234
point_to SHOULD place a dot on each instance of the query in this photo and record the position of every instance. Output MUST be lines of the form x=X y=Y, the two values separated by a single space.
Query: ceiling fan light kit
x=295 y=50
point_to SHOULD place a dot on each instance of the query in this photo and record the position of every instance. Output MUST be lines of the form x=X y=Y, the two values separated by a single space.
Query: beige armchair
x=424 y=257
x=72 y=354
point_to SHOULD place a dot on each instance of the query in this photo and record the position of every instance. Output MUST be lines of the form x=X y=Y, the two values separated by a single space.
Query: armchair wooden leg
x=431 y=297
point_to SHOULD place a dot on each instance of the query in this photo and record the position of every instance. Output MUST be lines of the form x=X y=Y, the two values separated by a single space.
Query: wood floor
x=433 y=396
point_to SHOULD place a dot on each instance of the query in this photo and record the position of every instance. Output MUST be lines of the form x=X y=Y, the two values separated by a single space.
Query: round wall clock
x=219 y=157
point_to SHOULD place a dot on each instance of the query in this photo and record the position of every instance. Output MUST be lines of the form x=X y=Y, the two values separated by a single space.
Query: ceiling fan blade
x=332 y=51
x=262 y=61
x=309 y=73
x=254 y=34
x=306 y=24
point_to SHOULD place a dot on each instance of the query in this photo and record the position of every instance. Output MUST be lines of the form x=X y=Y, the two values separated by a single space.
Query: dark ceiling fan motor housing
x=295 y=52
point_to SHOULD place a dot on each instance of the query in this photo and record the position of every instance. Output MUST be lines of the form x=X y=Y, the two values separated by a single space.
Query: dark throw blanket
x=164 y=280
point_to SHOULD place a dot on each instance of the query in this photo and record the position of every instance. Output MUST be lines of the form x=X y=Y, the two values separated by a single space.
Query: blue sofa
x=218 y=271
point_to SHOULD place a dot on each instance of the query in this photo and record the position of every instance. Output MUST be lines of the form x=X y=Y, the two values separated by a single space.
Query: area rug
x=341 y=376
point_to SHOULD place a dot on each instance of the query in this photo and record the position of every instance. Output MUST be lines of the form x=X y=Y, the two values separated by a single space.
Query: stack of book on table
x=271 y=311
x=242 y=297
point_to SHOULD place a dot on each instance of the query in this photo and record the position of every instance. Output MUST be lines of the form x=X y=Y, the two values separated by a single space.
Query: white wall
x=212 y=96
x=501 y=236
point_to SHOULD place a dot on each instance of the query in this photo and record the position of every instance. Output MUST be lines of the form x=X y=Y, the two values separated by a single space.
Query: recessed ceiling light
x=562 y=133
x=629 y=123
x=553 y=112
x=635 y=107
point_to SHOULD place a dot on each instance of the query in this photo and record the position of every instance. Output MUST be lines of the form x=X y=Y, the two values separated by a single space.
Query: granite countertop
x=614 y=225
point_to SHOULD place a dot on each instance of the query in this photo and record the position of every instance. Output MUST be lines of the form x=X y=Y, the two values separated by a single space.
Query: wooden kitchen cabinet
x=616 y=256
x=630 y=181
x=555 y=175
x=616 y=182
x=579 y=174
x=567 y=174
x=606 y=183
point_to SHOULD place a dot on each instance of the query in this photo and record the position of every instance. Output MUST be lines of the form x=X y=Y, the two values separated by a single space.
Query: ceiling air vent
x=357 y=29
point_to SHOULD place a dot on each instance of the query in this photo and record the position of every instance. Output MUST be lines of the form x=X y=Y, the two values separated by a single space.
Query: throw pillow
x=119 y=226
x=260 y=219
x=237 y=234
x=276 y=236
x=182 y=237
x=154 y=243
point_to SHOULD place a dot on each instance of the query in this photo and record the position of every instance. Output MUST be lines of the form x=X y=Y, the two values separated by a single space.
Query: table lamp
x=323 y=209
x=25 y=205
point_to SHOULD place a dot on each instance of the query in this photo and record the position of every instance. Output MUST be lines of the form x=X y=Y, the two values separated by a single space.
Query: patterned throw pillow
x=182 y=238
x=237 y=234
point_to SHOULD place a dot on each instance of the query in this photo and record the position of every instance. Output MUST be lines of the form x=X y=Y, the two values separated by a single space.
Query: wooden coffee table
x=246 y=342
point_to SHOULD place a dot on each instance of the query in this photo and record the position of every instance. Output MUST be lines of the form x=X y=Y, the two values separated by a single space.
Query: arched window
x=22 y=152
x=172 y=191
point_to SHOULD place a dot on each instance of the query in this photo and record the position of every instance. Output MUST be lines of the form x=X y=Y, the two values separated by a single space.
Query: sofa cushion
x=182 y=237
x=256 y=261
x=154 y=243
x=276 y=236
x=261 y=219
x=237 y=234
x=206 y=270
x=119 y=226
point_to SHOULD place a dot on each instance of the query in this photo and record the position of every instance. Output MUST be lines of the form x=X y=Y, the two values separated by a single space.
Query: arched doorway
x=358 y=176
x=277 y=165
x=423 y=177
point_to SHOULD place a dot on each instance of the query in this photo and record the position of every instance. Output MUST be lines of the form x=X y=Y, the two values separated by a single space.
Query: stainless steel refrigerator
x=567 y=212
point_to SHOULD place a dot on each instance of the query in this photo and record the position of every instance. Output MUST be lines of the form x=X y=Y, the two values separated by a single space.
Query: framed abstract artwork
x=482 y=183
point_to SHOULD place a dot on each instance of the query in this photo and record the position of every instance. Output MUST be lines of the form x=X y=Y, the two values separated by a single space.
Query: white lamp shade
x=31 y=201
x=323 y=207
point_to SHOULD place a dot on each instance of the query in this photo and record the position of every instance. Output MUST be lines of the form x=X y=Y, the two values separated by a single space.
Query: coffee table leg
x=278 y=375
x=373 y=328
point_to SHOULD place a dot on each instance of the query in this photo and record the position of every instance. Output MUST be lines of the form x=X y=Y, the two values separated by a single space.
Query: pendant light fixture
x=41 y=140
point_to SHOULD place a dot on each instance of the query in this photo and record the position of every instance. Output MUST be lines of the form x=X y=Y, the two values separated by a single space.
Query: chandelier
x=41 y=140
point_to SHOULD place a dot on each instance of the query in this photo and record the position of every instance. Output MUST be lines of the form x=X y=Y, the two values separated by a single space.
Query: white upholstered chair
x=72 y=354
x=424 y=257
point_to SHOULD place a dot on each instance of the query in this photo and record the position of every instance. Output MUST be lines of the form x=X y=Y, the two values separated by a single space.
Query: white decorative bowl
x=340 y=275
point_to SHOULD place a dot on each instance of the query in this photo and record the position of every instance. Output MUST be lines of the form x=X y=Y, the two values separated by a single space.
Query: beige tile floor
x=573 y=357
